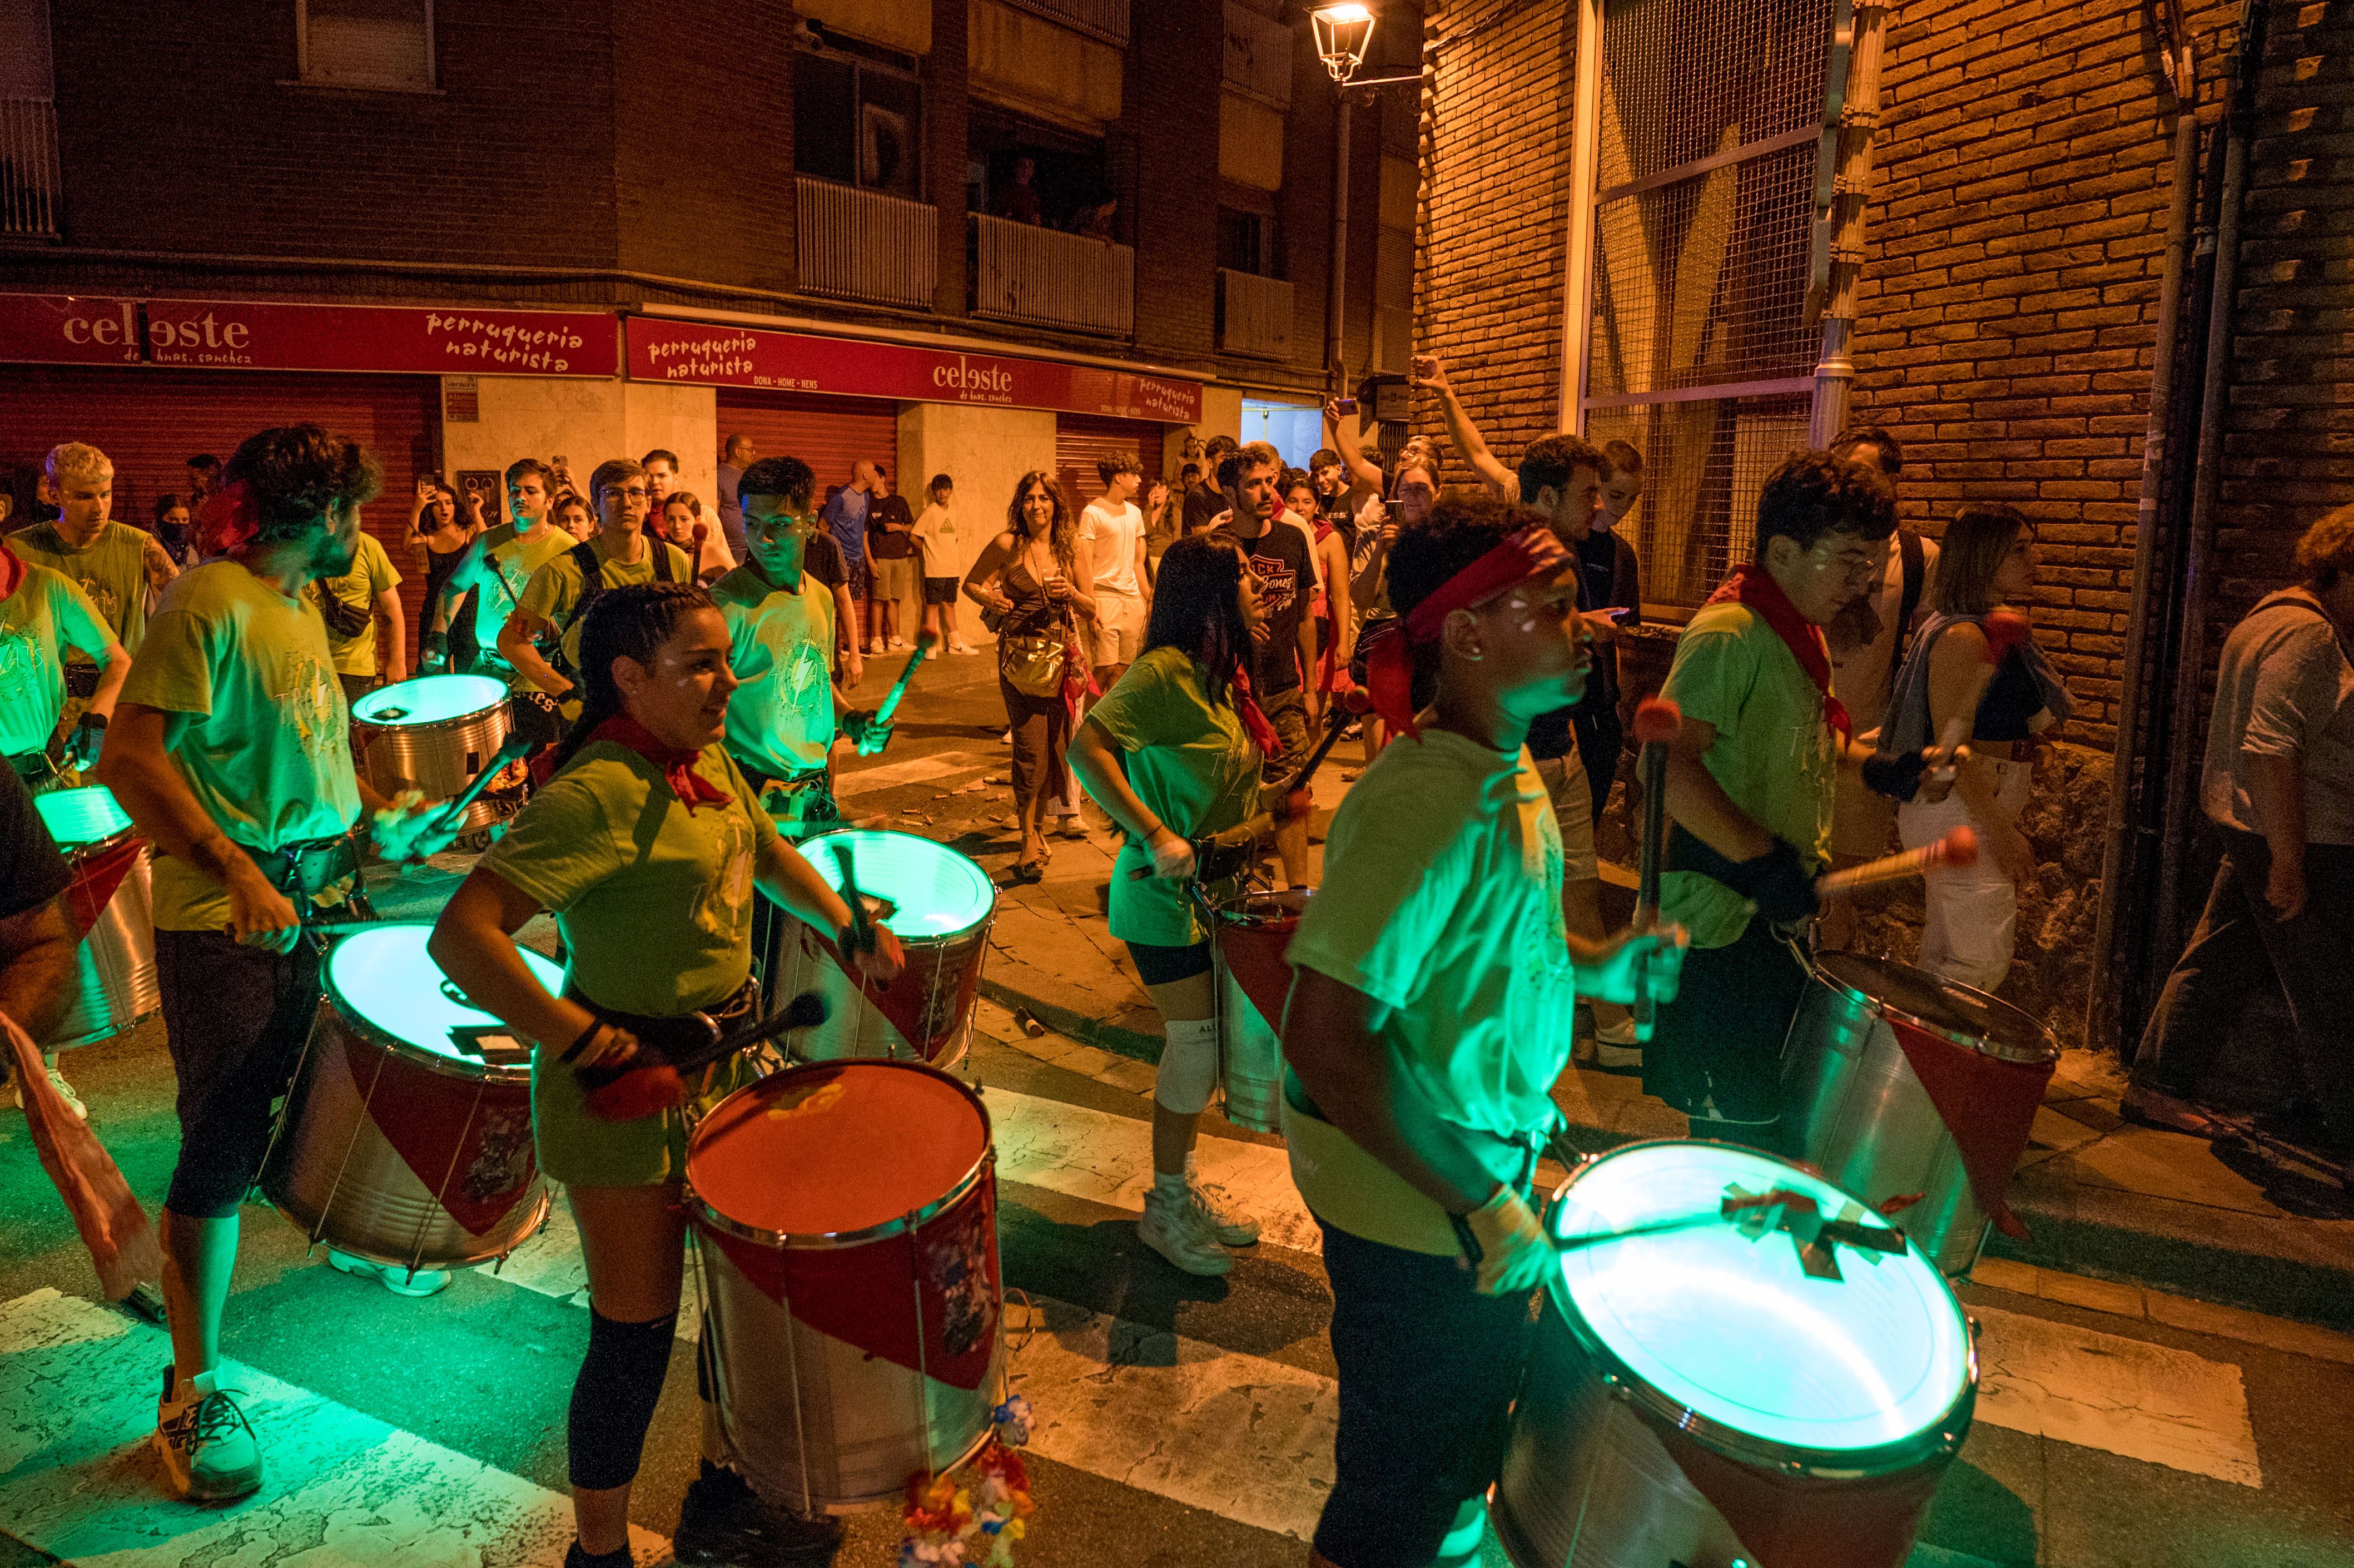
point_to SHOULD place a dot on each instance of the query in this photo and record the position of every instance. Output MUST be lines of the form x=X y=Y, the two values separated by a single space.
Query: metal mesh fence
x=1703 y=464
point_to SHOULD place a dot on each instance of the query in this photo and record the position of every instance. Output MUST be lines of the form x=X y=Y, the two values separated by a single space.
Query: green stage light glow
x=76 y=817
x=938 y=892
x=385 y=976
x=1734 y=1329
x=429 y=699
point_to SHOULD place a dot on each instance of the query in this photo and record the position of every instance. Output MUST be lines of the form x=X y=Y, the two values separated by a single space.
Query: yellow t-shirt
x=1441 y=901
x=508 y=564
x=371 y=573
x=47 y=616
x=120 y=570
x=555 y=588
x=268 y=751
x=780 y=720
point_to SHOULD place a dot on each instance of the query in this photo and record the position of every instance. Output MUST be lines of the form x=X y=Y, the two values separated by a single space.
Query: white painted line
x=79 y=1480
x=1106 y=1158
x=1246 y=1438
x=2123 y=1396
x=915 y=770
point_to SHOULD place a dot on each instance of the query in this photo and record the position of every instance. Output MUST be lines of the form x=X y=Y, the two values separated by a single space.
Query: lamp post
x=1343 y=34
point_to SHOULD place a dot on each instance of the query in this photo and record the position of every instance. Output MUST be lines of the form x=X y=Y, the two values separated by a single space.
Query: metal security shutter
x=829 y=434
x=150 y=422
x=1082 y=440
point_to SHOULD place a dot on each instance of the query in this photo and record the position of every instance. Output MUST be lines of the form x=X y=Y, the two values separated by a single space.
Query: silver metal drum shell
x=114 y=985
x=439 y=759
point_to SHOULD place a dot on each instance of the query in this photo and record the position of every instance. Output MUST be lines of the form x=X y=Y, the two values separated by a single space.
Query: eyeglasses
x=630 y=493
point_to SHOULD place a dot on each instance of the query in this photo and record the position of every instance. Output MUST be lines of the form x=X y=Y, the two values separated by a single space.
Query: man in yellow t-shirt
x=120 y=567
x=1430 y=1015
x=44 y=617
x=541 y=638
x=230 y=750
x=353 y=604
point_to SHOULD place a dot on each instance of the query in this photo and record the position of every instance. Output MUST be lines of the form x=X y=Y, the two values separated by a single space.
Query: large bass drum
x=407 y=1137
x=111 y=895
x=434 y=734
x=845 y=1224
x=1695 y=1395
x=1860 y=1112
x=1254 y=978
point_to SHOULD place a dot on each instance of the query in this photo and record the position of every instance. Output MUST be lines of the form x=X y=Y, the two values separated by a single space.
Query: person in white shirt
x=1113 y=529
x=936 y=538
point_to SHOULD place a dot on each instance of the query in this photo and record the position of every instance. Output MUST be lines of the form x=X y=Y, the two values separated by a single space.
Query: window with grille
x=1700 y=354
x=858 y=120
x=379 y=44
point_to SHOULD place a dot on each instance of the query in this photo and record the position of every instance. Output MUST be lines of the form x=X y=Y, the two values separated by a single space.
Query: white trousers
x=1973 y=912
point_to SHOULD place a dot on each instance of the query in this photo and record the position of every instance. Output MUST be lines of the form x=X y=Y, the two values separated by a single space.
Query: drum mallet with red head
x=1957 y=849
x=1657 y=722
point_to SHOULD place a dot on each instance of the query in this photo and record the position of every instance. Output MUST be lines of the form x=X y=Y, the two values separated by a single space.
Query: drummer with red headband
x=230 y=750
x=1750 y=786
x=647 y=844
x=1432 y=1012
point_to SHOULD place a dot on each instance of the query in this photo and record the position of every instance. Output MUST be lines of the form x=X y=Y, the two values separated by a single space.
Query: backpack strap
x=592 y=583
x=662 y=560
x=1916 y=572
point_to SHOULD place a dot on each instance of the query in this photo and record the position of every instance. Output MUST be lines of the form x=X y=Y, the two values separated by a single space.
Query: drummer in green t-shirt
x=1171 y=753
x=647 y=844
x=231 y=751
x=1431 y=1015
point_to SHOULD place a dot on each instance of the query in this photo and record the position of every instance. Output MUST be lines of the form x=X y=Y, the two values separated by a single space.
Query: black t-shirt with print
x=1287 y=581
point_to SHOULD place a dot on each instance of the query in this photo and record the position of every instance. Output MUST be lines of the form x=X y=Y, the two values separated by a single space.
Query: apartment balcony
x=29 y=181
x=1105 y=19
x=1254 y=315
x=1022 y=272
x=862 y=245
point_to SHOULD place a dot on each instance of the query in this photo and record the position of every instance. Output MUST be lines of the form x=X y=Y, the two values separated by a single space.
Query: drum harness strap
x=592 y=584
x=308 y=867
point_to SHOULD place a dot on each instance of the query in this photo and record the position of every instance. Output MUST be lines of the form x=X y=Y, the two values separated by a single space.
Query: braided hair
x=631 y=622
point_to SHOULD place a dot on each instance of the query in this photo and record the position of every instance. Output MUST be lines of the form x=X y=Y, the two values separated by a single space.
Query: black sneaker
x=723 y=1521
x=578 y=1558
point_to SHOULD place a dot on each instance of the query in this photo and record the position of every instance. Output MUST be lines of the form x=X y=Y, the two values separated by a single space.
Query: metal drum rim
x=1985 y=1045
x=930 y=938
x=375 y=1034
x=1234 y=912
x=1934 y=1441
x=427 y=727
x=700 y=1210
x=80 y=852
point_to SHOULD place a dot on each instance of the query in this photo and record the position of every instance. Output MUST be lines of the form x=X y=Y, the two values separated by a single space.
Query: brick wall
x=1165 y=151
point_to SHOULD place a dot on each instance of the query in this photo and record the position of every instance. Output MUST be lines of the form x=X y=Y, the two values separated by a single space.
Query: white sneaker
x=1006 y=739
x=57 y=1082
x=209 y=1449
x=875 y=645
x=1214 y=1205
x=933 y=652
x=1616 y=1045
x=899 y=645
x=414 y=1284
x=962 y=648
x=1178 y=1231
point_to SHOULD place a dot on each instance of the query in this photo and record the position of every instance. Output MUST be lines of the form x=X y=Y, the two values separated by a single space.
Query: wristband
x=573 y=1050
x=93 y=721
x=1897 y=776
x=1778 y=883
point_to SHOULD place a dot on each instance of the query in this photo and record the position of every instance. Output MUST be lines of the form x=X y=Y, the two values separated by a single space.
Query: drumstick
x=653 y=1080
x=926 y=641
x=1658 y=721
x=1957 y=849
x=512 y=750
x=1346 y=706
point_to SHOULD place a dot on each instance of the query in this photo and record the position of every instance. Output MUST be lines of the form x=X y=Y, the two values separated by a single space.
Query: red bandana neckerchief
x=1532 y=553
x=1750 y=585
x=1255 y=719
x=12 y=570
x=677 y=767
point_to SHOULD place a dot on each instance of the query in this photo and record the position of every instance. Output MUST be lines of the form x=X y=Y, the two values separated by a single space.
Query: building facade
x=971 y=237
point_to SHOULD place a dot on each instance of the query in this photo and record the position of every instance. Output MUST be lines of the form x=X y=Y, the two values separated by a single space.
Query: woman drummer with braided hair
x=646 y=845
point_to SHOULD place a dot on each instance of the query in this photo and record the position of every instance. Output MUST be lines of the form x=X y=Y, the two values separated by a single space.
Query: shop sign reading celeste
x=664 y=350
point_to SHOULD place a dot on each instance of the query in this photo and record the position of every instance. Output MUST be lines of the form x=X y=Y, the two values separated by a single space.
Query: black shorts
x=1429 y=1371
x=940 y=590
x=1720 y=1040
x=235 y=1020
x=1157 y=965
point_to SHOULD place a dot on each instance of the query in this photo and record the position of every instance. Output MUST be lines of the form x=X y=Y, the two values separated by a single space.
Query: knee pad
x=614 y=1397
x=1189 y=1064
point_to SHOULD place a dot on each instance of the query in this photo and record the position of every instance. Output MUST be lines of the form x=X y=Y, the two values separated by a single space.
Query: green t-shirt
x=654 y=901
x=268 y=751
x=118 y=570
x=47 y=618
x=555 y=588
x=1441 y=901
x=1773 y=753
x=1192 y=764
x=371 y=573
x=781 y=644
x=508 y=564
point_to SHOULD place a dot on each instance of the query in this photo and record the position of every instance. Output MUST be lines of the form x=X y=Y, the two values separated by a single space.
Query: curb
x=1111 y=1037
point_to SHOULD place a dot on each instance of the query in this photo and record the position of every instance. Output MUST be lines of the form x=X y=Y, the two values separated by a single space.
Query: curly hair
x=298 y=476
x=1062 y=532
x=1814 y=493
x=2326 y=548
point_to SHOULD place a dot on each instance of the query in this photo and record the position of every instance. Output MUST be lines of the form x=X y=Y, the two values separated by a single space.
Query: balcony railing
x=1107 y=19
x=1024 y=273
x=863 y=245
x=29 y=182
x=1254 y=315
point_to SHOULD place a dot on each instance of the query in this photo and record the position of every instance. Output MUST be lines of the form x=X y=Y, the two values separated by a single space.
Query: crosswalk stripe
x=2123 y=1396
x=915 y=770
x=79 y=1480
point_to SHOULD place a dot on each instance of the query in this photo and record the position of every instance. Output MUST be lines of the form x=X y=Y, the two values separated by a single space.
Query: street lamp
x=1343 y=33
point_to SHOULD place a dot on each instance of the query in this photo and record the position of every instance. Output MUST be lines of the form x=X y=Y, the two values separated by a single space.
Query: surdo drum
x=1697 y=1395
x=1251 y=934
x=845 y=1223
x=940 y=903
x=407 y=1137
x=113 y=901
x=433 y=732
